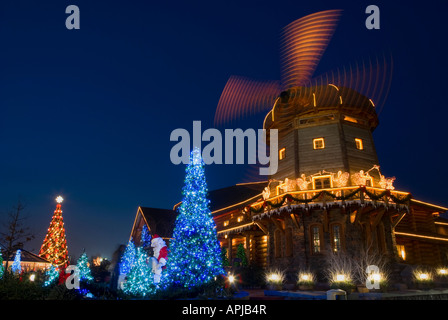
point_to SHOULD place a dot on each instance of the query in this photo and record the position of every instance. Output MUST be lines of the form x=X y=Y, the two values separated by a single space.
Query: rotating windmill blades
x=303 y=43
x=244 y=97
x=371 y=78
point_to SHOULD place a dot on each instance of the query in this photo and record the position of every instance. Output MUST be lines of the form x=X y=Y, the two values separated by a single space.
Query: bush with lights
x=423 y=277
x=21 y=286
x=274 y=279
x=306 y=280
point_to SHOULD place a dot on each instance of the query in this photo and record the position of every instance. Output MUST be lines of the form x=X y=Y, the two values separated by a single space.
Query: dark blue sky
x=88 y=113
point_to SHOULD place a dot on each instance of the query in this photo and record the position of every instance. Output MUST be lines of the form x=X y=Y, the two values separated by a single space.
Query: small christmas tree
x=16 y=266
x=195 y=254
x=241 y=255
x=224 y=258
x=128 y=258
x=140 y=278
x=51 y=276
x=84 y=269
x=54 y=247
x=145 y=237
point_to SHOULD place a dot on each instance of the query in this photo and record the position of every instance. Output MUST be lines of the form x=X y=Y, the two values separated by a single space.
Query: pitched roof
x=27 y=256
x=233 y=196
x=160 y=221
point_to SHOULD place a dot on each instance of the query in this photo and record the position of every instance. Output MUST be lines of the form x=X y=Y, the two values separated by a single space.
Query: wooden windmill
x=325 y=123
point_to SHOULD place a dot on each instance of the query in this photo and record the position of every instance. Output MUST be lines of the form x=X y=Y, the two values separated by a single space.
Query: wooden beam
x=262 y=227
x=358 y=215
x=326 y=220
x=398 y=219
x=248 y=249
x=279 y=224
x=377 y=218
x=354 y=216
x=295 y=220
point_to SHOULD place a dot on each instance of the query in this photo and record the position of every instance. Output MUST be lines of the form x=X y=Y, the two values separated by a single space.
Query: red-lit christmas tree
x=54 y=248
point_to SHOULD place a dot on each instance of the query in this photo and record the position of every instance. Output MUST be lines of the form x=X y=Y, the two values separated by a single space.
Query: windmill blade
x=371 y=78
x=302 y=45
x=244 y=97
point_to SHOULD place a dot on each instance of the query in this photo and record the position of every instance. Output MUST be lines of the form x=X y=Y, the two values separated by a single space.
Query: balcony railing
x=327 y=197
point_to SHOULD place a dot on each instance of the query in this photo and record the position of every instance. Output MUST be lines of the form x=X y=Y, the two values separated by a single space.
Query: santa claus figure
x=159 y=258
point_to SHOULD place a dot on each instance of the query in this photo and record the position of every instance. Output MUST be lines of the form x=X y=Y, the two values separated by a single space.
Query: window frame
x=313 y=239
x=340 y=239
x=401 y=250
x=315 y=140
x=327 y=176
x=282 y=154
x=359 y=144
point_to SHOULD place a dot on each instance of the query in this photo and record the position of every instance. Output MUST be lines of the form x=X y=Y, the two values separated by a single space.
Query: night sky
x=87 y=114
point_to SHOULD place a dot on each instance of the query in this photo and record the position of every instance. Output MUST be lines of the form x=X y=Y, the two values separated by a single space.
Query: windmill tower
x=325 y=123
x=325 y=137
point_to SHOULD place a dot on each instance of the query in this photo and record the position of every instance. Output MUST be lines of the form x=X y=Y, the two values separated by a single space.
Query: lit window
x=316 y=239
x=336 y=238
x=350 y=119
x=401 y=251
x=318 y=143
x=239 y=219
x=282 y=154
x=359 y=144
x=323 y=182
x=226 y=223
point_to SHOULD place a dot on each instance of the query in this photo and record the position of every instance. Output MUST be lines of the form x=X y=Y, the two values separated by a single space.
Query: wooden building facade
x=328 y=194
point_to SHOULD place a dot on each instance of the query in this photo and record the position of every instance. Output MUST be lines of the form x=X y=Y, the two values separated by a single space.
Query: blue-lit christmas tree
x=84 y=269
x=51 y=276
x=195 y=254
x=128 y=258
x=16 y=266
x=145 y=237
x=139 y=281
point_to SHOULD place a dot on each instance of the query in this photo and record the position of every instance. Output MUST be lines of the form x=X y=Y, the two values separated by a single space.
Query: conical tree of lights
x=194 y=255
x=54 y=248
